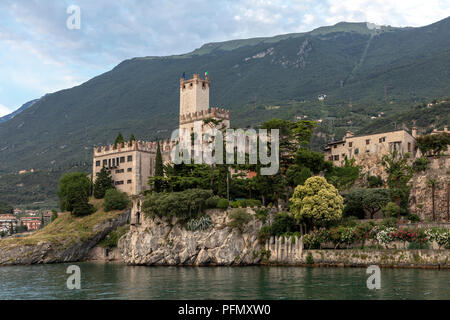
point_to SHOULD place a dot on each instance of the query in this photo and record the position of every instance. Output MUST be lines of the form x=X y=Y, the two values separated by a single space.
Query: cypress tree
x=132 y=138
x=119 y=139
x=102 y=183
x=159 y=170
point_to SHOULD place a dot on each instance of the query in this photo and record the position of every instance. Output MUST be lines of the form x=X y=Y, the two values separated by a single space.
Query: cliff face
x=430 y=186
x=48 y=251
x=157 y=242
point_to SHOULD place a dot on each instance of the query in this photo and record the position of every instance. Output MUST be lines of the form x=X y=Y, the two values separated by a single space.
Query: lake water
x=118 y=281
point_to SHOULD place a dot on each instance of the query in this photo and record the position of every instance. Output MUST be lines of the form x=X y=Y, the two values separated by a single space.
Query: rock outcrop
x=430 y=186
x=60 y=251
x=158 y=242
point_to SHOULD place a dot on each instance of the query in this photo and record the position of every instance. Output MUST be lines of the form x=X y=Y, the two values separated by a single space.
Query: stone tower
x=194 y=95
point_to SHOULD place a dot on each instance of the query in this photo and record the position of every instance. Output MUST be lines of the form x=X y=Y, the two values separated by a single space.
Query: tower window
x=97 y=163
x=130 y=158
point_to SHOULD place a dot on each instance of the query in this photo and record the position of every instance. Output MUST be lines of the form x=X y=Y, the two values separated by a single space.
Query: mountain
x=24 y=107
x=362 y=69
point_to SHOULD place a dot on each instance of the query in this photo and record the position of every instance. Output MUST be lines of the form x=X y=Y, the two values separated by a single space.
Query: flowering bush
x=385 y=236
x=440 y=235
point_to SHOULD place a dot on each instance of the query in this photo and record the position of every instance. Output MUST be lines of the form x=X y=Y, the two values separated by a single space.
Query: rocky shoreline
x=70 y=250
x=155 y=242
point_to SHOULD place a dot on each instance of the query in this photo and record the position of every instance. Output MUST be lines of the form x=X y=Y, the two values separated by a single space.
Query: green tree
x=316 y=201
x=344 y=177
x=159 y=171
x=399 y=174
x=132 y=138
x=391 y=210
x=433 y=144
x=54 y=215
x=353 y=204
x=68 y=180
x=6 y=208
x=373 y=199
x=283 y=222
x=119 y=140
x=103 y=182
x=115 y=200
x=78 y=200
x=374 y=181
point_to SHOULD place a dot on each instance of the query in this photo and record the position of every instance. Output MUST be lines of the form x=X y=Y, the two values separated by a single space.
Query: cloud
x=4 y=110
x=40 y=54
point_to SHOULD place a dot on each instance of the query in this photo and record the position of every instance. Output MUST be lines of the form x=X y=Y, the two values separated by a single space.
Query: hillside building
x=131 y=164
x=32 y=223
x=368 y=150
x=8 y=222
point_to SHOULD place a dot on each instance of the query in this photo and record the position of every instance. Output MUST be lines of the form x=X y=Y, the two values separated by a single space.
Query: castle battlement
x=185 y=84
x=138 y=145
x=218 y=113
x=132 y=163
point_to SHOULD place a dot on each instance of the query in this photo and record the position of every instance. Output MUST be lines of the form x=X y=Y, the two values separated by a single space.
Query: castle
x=131 y=164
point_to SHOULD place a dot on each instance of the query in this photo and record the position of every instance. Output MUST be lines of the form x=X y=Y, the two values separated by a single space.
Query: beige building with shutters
x=368 y=150
x=131 y=164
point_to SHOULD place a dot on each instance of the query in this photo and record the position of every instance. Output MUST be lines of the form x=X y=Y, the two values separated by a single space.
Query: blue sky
x=39 y=54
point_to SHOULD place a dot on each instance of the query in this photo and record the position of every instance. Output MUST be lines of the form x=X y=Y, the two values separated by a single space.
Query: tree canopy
x=316 y=201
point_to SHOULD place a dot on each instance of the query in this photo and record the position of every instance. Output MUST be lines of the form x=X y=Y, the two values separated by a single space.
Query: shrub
x=350 y=221
x=82 y=208
x=239 y=218
x=115 y=200
x=261 y=214
x=264 y=234
x=103 y=182
x=201 y=223
x=211 y=203
x=309 y=258
x=222 y=204
x=311 y=241
x=283 y=222
x=391 y=210
x=420 y=164
x=186 y=204
x=375 y=181
x=389 y=222
x=440 y=235
x=385 y=236
x=113 y=237
x=363 y=232
x=413 y=218
x=246 y=203
x=54 y=215
x=70 y=182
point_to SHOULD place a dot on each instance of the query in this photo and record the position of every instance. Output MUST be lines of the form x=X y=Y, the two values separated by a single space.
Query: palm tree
x=433 y=183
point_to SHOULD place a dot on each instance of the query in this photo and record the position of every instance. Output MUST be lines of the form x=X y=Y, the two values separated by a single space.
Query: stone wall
x=386 y=258
x=421 y=196
x=161 y=242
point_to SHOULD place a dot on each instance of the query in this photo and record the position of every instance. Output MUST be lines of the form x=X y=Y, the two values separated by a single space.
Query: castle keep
x=131 y=164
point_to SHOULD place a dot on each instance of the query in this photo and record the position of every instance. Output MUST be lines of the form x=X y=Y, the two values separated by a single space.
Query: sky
x=43 y=49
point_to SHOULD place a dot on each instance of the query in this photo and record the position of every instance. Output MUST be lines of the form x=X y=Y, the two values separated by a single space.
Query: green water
x=117 y=281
